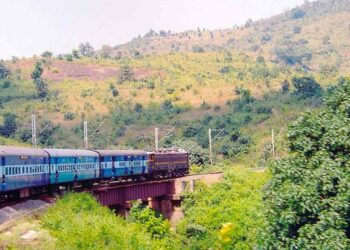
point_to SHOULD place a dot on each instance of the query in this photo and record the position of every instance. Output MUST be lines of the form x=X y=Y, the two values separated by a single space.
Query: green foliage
x=308 y=196
x=78 y=222
x=236 y=200
x=38 y=70
x=306 y=86
x=114 y=90
x=197 y=49
x=4 y=71
x=40 y=84
x=197 y=155
x=294 y=53
x=6 y=84
x=10 y=125
x=47 y=54
x=152 y=222
x=47 y=131
x=85 y=49
x=41 y=87
x=297 y=13
x=285 y=86
x=126 y=74
x=69 y=116
x=69 y=57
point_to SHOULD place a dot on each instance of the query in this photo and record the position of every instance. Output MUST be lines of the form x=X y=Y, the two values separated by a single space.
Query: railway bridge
x=161 y=195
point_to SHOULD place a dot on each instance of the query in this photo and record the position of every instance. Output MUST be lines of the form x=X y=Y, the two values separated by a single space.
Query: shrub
x=6 y=84
x=77 y=221
x=4 y=71
x=306 y=86
x=10 y=125
x=308 y=196
x=197 y=49
x=47 y=54
x=69 y=116
x=152 y=222
x=126 y=74
x=41 y=87
x=225 y=70
x=86 y=49
x=197 y=155
x=296 y=29
x=285 y=86
x=297 y=13
x=69 y=57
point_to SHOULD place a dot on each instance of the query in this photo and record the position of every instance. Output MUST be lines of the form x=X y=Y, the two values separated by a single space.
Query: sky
x=30 y=27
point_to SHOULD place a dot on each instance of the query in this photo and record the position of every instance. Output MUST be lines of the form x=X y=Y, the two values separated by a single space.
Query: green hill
x=228 y=79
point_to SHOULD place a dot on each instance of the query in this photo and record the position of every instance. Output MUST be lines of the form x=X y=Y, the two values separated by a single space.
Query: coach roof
x=19 y=151
x=70 y=152
x=120 y=152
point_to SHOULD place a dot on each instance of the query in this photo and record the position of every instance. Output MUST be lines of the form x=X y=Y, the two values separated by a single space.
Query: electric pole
x=210 y=148
x=33 y=131
x=86 y=145
x=156 y=130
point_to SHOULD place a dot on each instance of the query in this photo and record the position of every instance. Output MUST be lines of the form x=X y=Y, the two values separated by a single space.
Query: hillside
x=190 y=80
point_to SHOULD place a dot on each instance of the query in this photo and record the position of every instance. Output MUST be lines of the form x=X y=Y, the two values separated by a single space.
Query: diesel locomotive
x=27 y=171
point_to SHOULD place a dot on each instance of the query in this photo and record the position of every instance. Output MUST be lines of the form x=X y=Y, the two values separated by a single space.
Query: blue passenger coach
x=22 y=168
x=118 y=163
x=68 y=165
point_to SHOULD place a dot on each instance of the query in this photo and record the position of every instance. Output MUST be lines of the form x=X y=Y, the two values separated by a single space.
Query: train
x=28 y=171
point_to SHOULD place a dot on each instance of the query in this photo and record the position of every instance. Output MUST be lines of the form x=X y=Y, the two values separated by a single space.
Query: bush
x=297 y=13
x=85 y=49
x=235 y=201
x=69 y=57
x=152 y=222
x=225 y=70
x=126 y=74
x=6 y=84
x=197 y=155
x=69 y=116
x=41 y=87
x=197 y=49
x=306 y=86
x=285 y=86
x=77 y=221
x=4 y=71
x=38 y=70
x=308 y=196
x=296 y=29
x=10 y=125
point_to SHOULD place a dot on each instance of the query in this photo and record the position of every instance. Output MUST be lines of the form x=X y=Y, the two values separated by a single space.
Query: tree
x=47 y=54
x=308 y=196
x=198 y=155
x=297 y=13
x=4 y=71
x=197 y=49
x=41 y=87
x=113 y=89
x=86 y=49
x=75 y=53
x=306 y=86
x=285 y=86
x=38 y=70
x=10 y=125
x=106 y=51
x=69 y=57
x=126 y=74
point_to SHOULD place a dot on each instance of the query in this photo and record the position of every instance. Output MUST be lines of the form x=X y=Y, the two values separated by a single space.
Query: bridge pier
x=162 y=195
